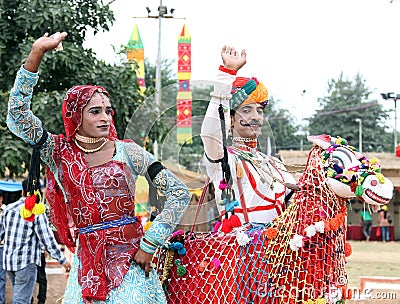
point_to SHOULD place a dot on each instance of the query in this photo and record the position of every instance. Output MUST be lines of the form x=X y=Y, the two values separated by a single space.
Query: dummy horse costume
x=297 y=258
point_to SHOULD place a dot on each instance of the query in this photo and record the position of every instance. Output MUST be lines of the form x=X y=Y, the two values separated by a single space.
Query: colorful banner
x=135 y=51
x=184 y=96
x=142 y=197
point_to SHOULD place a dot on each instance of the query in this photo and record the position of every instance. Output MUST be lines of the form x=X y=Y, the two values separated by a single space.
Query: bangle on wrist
x=149 y=243
x=146 y=247
x=226 y=70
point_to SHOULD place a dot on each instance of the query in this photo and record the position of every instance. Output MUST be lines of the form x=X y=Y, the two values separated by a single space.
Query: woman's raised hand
x=48 y=43
x=40 y=47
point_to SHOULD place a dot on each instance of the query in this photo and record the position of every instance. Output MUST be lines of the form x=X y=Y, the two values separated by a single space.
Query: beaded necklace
x=247 y=144
x=88 y=140
x=92 y=150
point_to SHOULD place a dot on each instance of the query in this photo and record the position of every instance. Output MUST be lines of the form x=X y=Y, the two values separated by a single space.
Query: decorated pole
x=184 y=96
x=135 y=52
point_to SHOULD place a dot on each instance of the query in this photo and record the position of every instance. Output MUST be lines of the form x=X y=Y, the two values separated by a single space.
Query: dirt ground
x=367 y=259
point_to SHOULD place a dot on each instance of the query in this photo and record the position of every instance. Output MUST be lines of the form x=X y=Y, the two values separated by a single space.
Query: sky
x=291 y=45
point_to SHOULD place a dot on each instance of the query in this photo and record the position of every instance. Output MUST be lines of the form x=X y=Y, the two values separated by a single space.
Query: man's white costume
x=258 y=180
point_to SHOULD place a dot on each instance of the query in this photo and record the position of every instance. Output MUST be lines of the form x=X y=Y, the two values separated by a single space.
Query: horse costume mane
x=300 y=256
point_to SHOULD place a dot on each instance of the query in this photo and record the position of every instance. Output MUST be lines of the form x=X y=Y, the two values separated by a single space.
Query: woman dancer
x=91 y=189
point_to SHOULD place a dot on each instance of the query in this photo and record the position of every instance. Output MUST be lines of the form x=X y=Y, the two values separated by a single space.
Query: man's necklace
x=260 y=164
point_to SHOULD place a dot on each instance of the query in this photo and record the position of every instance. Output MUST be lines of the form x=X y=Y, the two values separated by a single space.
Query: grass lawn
x=373 y=259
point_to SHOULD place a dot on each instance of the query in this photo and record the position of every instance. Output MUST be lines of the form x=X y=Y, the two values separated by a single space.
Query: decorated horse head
x=350 y=174
x=307 y=246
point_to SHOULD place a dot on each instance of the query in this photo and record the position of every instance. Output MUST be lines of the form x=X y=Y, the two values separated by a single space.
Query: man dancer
x=257 y=184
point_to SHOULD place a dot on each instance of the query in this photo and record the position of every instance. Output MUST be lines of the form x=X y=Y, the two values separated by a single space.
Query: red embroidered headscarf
x=75 y=100
x=77 y=185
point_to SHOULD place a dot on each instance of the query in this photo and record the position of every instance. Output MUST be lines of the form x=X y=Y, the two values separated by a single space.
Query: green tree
x=346 y=101
x=283 y=126
x=59 y=71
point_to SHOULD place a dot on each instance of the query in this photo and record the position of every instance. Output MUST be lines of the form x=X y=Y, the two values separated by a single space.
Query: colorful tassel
x=359 y=190
x=223 y=184
x=216 y=226
x=226 y=226
x=147 y=225
x=235 y=221
x=230 y=206
x=239 y=170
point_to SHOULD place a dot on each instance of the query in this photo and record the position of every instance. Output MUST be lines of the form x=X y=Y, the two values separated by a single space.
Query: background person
x=3 y=272
x=22 y=247
x=384 y=222
x=366 y=222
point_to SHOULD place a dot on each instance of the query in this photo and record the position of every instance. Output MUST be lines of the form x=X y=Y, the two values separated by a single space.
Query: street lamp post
x=162 y=13
x=394 y=97
x=359 y=120
x=303 y=133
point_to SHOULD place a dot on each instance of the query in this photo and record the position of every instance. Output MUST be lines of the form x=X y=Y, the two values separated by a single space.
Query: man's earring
x=230 y=134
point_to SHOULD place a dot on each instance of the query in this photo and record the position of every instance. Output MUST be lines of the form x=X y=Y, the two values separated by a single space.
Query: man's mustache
x=250 y=123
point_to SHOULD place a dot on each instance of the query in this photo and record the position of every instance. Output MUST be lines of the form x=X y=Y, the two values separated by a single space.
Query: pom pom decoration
x=334 y=224
x=30 y=202
x=216 y=262
x=39 y=209
x=223 y=185
x=348 y=250
x=242 y=238
x=31 y=207
x=359 y=190
x=320 y=226
x=296 y=242
x=26 y=214
x=310 y=231
x=178 y=246
x=230 y=206
x=271 y=233
x=181 y=270
x=380 y=177
x=177 y=233
x=327 y=226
